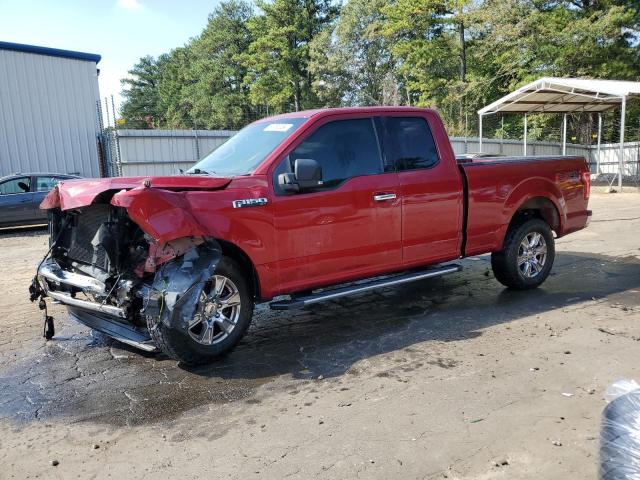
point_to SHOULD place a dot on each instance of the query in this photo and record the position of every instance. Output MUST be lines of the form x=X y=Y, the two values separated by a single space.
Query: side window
x=44 y=184
x=409 y=143
x=16 y=185
x=344 y=149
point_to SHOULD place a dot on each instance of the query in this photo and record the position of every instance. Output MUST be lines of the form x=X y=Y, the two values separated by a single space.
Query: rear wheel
x=527 y=257
x=221 y=318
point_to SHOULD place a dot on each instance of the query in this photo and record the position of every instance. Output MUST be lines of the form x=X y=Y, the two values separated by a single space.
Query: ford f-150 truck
x=293 y=210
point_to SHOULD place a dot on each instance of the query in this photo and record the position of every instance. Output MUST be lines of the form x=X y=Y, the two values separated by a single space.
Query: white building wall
x=48 y=114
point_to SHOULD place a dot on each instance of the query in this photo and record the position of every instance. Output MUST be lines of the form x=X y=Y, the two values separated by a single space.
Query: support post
x=466 y=133
x=480 y=132
x=564 y=134
x=599 y=142
x=621 y=160
x=524 y=149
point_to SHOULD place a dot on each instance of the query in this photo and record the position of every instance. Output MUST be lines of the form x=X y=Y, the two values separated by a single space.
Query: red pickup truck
x=307 y=206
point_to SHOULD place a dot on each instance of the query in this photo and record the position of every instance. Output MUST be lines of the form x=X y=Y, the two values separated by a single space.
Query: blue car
x=21 y=194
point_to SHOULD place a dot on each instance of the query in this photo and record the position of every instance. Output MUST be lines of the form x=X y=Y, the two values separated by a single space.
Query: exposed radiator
x=83 y=232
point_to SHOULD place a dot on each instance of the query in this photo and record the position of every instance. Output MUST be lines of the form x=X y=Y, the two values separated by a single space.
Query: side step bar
x=330 y=294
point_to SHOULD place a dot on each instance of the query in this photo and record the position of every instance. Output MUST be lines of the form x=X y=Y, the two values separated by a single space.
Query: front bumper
x=52 y=277
x=58 y=284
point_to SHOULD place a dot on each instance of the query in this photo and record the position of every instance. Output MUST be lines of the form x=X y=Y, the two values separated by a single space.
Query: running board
x=113 y=328
x=331 y=294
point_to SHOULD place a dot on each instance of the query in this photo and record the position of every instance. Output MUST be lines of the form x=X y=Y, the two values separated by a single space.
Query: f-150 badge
x=250 y=202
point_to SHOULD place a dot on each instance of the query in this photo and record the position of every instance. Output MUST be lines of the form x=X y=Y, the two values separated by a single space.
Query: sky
x=121 y=31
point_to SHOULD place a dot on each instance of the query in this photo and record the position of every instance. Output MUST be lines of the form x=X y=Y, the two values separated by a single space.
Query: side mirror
x=288 y=183
x=308 y=174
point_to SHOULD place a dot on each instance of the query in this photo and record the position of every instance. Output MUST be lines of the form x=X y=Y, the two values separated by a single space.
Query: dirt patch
x=453 y=376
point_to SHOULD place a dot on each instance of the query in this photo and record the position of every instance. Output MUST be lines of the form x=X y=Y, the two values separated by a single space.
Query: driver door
x=16 y=201
x=348 y=228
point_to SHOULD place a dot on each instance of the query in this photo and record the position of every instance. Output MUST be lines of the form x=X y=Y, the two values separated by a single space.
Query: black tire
x=181 y=346
x=505 y=263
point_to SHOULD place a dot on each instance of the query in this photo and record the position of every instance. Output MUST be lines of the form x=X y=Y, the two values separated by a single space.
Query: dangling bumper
x=58 y=284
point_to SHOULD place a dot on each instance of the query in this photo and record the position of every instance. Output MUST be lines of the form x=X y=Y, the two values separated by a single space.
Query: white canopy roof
x=564 y=95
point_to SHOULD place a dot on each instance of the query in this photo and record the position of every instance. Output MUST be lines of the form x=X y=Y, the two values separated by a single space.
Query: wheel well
x=538 y=207
x=232 y=251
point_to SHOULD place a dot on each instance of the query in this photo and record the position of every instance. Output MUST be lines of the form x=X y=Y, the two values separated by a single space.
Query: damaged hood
x=70 y=194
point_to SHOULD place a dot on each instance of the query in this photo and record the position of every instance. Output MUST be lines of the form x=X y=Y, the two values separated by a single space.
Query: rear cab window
x=343 y=148
x=408 y=143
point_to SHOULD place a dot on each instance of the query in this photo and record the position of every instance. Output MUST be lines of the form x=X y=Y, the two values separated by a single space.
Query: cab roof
x=321 y=112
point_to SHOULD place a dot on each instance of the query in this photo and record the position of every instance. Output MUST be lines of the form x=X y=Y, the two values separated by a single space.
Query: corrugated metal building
x=49 y=119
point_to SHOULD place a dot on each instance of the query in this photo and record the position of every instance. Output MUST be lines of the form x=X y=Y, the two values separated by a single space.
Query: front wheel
x=527 y=257
x=222 y=316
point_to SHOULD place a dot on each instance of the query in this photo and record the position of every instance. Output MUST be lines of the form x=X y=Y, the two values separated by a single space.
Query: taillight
x=586 y=182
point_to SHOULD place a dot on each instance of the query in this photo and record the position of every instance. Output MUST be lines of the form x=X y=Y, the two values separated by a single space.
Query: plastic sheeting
x=620 y=433
x=178 y=284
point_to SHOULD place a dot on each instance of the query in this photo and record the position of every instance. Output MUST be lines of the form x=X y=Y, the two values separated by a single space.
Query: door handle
x=381 y=197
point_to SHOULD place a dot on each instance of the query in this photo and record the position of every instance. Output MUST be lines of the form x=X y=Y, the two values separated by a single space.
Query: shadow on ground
x=86 y=376
x=25 y=231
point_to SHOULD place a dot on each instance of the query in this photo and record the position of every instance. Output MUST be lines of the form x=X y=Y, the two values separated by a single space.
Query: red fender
x=162 y=214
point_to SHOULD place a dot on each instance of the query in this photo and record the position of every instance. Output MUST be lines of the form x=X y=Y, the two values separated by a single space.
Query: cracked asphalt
x=445 y=378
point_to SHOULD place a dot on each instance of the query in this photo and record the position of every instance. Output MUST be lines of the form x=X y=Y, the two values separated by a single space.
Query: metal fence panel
x=609 y=159
x=514 y=147
x=164 y=152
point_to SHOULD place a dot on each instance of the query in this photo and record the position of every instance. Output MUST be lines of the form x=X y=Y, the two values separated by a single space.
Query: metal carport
x=567 y=95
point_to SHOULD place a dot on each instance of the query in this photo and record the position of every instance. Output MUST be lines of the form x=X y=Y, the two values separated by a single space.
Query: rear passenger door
x=350 y=226
x=431 y=191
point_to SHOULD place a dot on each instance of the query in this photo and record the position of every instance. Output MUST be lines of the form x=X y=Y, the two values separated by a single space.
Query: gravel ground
x=446 y=378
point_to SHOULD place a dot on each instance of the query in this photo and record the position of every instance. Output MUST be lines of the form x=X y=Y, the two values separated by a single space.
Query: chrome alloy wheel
x=532 y=254
x=217 y=312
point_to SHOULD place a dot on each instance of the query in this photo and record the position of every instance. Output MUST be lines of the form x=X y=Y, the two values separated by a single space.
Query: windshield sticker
x=278 y=127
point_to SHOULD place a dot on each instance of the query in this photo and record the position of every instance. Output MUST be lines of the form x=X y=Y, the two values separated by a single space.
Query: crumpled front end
x=138 y=253
x=172 y=298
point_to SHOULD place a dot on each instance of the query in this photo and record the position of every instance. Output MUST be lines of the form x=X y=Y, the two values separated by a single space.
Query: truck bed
x=516 y=159
x=495 y=186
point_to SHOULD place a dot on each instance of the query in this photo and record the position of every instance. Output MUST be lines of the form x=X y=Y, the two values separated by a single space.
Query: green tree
x=278 y=58
x=175 y=78
x=454 y=55
x=428 y=39
x=141 y=102
x=518 y=41
x=352 y=62
x=217 y=95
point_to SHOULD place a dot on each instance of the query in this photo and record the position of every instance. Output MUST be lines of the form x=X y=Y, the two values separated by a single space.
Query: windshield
x=242 y=153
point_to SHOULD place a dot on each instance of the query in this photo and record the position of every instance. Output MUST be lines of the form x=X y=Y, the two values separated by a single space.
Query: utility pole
x=463 y=58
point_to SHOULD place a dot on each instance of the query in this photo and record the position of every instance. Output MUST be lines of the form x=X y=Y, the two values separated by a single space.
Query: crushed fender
x=159 y=255
x=163 y=214
x=173 y=296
